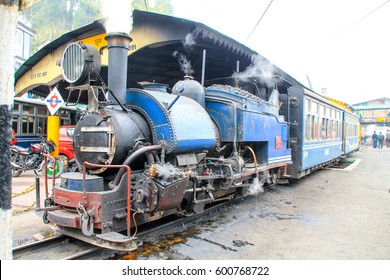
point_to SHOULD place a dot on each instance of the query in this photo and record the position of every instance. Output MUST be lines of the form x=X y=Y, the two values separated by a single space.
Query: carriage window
x=314 y=128
x=27 y=125
x=42 y=125
x=15 y=109
x=319 y=128
x=322 y=110
x=334 y=129
x=42 y=111
x=327 y=112
x=332 y=114
x=15 y=123
x=314 y=108
x=308 y=127
x=324 y=129
x=307 y=105
x=28 y=110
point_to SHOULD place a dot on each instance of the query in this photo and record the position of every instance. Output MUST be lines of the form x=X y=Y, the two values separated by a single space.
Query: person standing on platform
x=374 y=138
x=388 y=139
x=381 y=138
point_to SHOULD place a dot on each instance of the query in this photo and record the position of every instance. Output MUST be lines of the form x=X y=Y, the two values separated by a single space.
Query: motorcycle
x=32 y=158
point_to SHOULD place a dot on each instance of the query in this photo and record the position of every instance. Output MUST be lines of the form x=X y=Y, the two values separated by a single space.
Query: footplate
x=111 y=240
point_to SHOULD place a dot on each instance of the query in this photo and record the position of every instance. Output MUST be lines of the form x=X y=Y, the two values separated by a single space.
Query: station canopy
x=159 y=46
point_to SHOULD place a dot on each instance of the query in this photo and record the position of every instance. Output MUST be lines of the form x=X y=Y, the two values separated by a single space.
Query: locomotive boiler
x=146 y=153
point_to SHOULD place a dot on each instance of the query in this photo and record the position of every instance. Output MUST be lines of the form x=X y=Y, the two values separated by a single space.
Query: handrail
x=45 y=172
x=128 y=171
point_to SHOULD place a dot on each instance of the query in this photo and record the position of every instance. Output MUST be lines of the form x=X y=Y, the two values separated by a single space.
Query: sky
x=342 y=46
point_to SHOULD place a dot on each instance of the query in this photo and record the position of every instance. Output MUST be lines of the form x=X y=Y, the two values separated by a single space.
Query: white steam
x=255 y=188
x=185 y=64
x=259 y=67
x=189 y=41
x=119 y=15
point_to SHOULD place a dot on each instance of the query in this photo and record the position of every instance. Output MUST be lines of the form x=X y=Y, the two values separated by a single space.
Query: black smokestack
x=118 y=47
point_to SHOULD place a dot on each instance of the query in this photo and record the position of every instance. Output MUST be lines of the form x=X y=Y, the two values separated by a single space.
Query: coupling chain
x=27 y=190
x=86 y=219
x=19 y=211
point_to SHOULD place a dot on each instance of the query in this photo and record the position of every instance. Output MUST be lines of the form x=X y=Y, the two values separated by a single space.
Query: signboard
x=54 y=101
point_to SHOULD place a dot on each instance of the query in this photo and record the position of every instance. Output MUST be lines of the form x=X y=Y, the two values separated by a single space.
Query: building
x=374 y=115
x=24 y=35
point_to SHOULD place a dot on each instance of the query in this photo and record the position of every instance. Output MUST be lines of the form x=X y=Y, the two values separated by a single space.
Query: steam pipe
x=237 y=71
x=203 y=67
x=156 y=158
x=132 y=157
x=118 y=47
x=177 y=97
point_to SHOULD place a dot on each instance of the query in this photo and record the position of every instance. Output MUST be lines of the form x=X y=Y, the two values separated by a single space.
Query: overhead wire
x=254 y=28
x=356 y=22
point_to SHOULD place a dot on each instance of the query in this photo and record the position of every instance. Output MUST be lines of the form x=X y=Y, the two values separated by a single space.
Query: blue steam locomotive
x=152 y=152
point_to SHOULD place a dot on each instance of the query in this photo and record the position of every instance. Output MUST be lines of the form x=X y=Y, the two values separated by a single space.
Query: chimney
x=118 y=46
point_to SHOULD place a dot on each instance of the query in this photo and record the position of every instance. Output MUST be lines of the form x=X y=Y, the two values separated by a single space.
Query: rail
x=128 y=170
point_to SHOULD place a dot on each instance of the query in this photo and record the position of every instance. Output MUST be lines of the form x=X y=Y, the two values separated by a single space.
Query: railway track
x=54 y=248
x=61 y=247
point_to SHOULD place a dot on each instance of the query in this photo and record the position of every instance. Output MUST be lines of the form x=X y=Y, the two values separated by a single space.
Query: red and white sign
x=54 y=101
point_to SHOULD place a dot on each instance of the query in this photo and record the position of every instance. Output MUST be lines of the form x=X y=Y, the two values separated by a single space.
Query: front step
x=110 y=240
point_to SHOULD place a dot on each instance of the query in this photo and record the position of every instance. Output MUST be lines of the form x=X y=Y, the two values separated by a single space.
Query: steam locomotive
x=152 y=152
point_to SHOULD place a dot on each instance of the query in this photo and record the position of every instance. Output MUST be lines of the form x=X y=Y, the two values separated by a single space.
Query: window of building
x=23 y=48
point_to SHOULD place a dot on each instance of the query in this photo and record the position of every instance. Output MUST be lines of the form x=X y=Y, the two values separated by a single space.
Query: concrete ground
x=26 y=223
x=331 y=215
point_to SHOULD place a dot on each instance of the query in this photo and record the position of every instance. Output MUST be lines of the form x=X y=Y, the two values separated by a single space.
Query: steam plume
x=119 y=15
x=255 y=188
x=185 y=64
x=189 y=41
x=259 y=67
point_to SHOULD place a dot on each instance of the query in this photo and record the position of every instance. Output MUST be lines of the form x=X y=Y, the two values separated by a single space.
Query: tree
x=51 y=18
x=159 y=6
x=8 y=19
x=88 y=11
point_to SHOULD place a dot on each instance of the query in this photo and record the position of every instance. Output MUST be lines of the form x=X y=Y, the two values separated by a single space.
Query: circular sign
x=54 y=101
